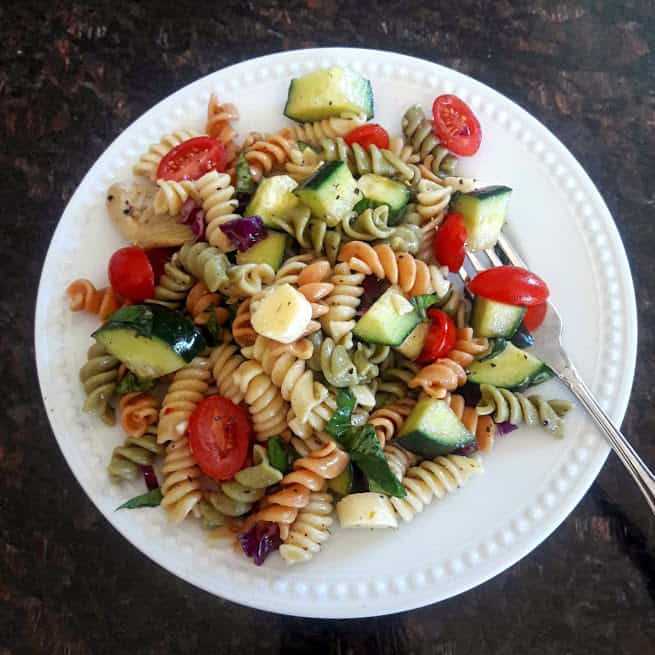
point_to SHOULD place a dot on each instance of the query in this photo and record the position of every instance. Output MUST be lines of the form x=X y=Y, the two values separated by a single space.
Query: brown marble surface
x=72 y=76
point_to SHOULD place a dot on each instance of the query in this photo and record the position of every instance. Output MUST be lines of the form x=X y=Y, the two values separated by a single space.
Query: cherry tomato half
x=368 y=135
x=219 y=437
x=191 y=159
x=456 y=125
x=440 y=339
x=535 y=316
x=512 y=285
x=449 y=242
x=131 y=275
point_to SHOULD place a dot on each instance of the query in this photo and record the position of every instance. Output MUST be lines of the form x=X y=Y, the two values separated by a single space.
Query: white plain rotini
x=181 y=485
x=343 y=302
x=328 y=128
x=216 y=194
x=149 y=160
x=172 y=195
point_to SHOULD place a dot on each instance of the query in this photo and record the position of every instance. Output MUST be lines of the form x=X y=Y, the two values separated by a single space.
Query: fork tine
x=507 y=249
x=493 y=257
x=474 y=261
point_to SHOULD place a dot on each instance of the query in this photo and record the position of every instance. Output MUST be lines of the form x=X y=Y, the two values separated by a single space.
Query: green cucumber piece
x=510 y=368
x=150 y=340
x=331 y=192
x=493 y=319
x=273 y=199
x=326 y=93
x=267 y=251
x=383 y=191
x=343 y=483
x=388 y=320
x=484 y=212
x=413 y=344
x=433 y=429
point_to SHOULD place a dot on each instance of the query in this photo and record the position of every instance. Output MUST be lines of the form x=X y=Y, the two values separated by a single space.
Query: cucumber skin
x=480 y=318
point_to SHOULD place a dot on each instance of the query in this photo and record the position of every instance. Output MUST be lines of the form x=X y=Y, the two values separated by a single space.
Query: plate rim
x=569 y=501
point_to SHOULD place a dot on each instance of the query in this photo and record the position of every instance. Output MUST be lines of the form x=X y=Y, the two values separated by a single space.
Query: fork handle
x=641 y=474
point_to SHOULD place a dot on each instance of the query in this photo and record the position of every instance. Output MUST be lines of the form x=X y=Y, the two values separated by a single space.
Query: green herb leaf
x=303 y=145
x=232 y=309
x=339 y=422
x=150 y=499
x=281 y=455
x=379 y=475
x=135 y=317
x=423 y=302
x=212 y=327
x=245 y=182
x=131 y=383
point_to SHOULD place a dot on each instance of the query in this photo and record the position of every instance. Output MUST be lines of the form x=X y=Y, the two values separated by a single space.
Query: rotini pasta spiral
x=407 y=237
x=172 y=195
x=399 y=459
x=369 y=160
x=200 y=304
x=205 y=262
x=368 y=225
x=264 y=152
x=457 y=308
x=309 y=530
x=220 y=117
x=309 y=476
x=136 y=451
x=342 y=303
x=432 y=206
x=447 y=373
x=482 y=427
x=244 y=280
x=403 y=150
x=149 y=161
x=333 y=361
x=84 y=296
x=268 y=409
x=181 y=485
x=419 y=133
x=137 y=411
x=394 y=380
x=173 y=285
x=224 y=360
x=188 y=388
x=516 y=408
x=413 y=276
x=429 y=171
x=328 y=128
x=242 y=330
x=433 y=478
x=389 y=419
x=303 y=163
x=367 y=358
x=217 y=197
x=99 y=377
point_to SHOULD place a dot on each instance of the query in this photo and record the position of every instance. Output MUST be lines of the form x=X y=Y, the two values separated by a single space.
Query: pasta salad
x=286 y=336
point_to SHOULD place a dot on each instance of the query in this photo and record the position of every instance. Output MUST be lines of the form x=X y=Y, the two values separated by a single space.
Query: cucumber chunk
x=433 y=429
x=331 y=192
x=413 y=344
x=326 y=93
x=484 y=212
x=343 y=483
x=495 y=319
x=383 y=191
x=389 y=319
x=509 y=368
x=273 y=199
x=268 y=251
x=150 y=340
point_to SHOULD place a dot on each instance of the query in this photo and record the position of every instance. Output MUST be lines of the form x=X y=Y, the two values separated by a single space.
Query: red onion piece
x=150 y=477
x=245 y=232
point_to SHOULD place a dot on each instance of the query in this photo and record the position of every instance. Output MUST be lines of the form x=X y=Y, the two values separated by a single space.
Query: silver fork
x=548 y=347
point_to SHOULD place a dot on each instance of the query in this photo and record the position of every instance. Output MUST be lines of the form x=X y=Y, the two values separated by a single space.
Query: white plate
x=532 y=481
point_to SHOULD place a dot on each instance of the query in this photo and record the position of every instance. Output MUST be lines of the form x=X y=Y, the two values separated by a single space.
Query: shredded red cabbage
x=373 y=289
x=193 y=216
x=245 y=232
x=467 y=451
x=506 y=427
x=263 y=538
x=150 y=477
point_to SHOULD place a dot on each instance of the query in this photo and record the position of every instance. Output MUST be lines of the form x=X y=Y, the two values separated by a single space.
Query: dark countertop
x=72 y=76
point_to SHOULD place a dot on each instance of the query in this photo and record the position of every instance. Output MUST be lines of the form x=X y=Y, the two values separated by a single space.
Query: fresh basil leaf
x=423 y=302
x=212 y=327
x=378 y=473
x=134 y=317
x=339 y=422
x=131 y=383
x=150 y=499
x=232 y=309
x=281 y=455
x=245 y=182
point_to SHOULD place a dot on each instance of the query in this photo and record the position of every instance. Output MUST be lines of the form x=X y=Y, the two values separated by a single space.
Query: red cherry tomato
x=371 y=134
x=449 y=242
x=512 y=285
x=192 y=159
x=456 y=125
x=131 y=275
x=535 y=316
x=158 y=258
x=219 y=437
x=440 y=339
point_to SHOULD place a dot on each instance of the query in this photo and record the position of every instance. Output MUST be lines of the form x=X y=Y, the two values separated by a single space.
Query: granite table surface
x=73 y=75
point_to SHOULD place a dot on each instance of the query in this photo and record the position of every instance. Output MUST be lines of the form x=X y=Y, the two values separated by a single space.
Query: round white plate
x=532 y=481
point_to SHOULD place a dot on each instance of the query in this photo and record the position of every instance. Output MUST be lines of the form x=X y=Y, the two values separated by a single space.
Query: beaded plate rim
x=299 y=593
